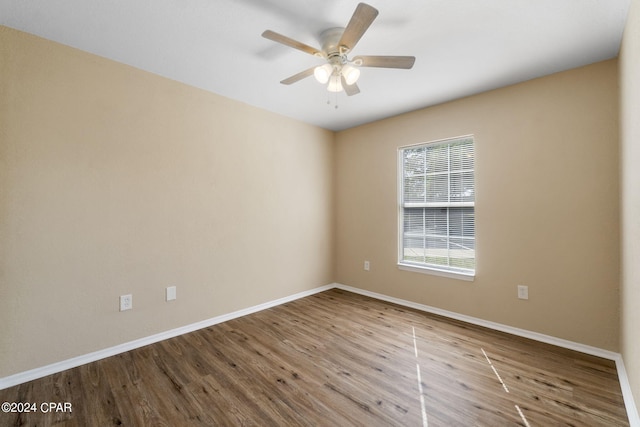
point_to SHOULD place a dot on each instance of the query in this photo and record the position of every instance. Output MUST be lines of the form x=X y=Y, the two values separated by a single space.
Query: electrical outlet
x=126 y=302
x=171 y=293
x=366 y=265
x=523 y=292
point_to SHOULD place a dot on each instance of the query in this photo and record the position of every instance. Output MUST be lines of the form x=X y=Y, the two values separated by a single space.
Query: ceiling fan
x=339 y=72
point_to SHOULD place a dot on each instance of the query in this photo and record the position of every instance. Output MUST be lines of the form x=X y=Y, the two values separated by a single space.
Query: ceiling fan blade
x=405 y=62
x=351 y=89
x=296 y=77
x=271 y=35
x=360 y=21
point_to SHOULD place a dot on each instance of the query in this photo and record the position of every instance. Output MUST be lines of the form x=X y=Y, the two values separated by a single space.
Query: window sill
x=469 y=277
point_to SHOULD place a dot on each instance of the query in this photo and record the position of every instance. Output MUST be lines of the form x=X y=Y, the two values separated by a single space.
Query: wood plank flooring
x=333 y=359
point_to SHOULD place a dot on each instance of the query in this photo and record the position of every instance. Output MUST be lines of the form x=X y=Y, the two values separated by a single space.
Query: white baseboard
x=23 y=377
x=629 y=402
x=53 y=368
x=594 y=351
x=632 y=412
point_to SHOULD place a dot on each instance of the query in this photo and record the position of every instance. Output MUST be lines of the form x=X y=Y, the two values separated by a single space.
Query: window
x=437 y=207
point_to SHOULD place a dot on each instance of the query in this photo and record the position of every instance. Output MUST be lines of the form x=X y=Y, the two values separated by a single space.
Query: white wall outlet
x=523 y=292
x=366 y=265
x=171 y=293
x=126 y=302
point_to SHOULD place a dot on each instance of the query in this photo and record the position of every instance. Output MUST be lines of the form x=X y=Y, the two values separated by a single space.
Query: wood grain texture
x=333 y=359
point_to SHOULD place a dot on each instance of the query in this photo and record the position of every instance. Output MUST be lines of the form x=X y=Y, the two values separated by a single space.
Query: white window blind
x=437 y=205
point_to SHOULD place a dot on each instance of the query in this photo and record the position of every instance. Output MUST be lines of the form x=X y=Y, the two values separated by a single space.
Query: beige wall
x=630 y=177
x=546 y=208
x=114 y=181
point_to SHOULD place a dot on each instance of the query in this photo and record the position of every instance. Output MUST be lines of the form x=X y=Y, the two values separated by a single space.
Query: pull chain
x=329 y=99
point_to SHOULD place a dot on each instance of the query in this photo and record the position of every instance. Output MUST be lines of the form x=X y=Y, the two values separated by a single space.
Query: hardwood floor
x=333 y=359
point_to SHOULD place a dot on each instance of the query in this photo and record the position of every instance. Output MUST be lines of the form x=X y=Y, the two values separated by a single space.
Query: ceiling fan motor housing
x=330 y=40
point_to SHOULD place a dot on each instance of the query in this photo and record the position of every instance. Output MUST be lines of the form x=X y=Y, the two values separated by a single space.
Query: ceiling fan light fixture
x=350 y=73
x=335 y=85
x=322 y=73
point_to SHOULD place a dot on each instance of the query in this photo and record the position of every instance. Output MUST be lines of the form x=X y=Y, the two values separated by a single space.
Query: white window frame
x=456 y=273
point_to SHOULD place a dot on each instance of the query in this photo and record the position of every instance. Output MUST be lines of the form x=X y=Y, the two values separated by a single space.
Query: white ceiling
x=462 y=47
